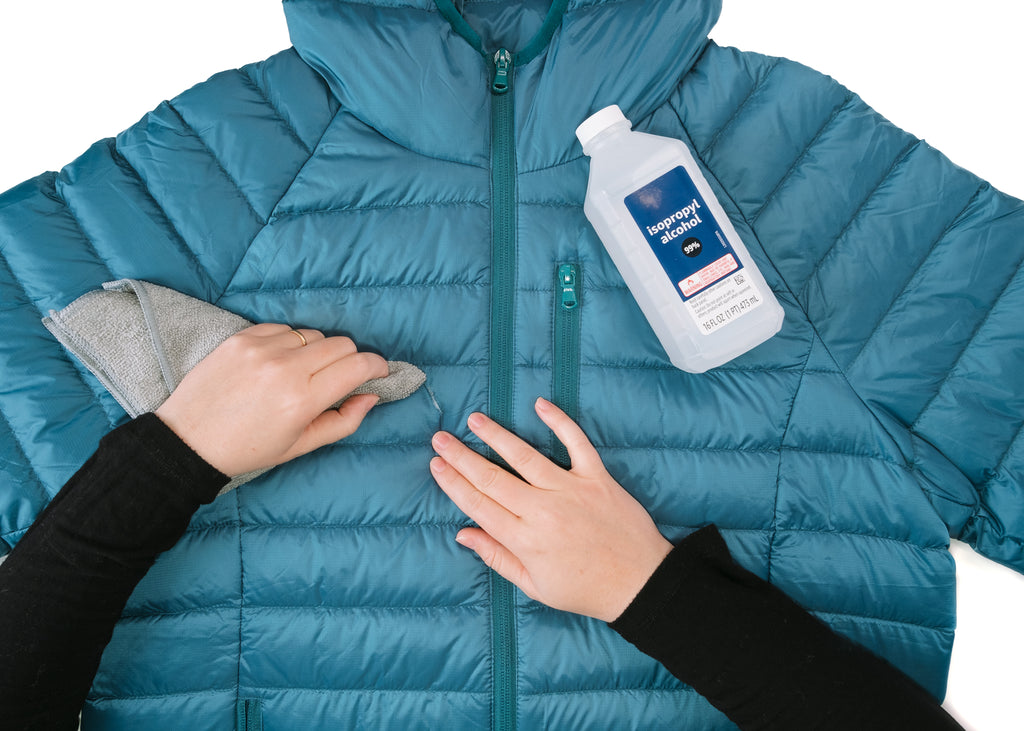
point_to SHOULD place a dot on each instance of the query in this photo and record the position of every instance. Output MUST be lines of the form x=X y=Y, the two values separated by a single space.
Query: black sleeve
x=759 y=657
x=65 y=584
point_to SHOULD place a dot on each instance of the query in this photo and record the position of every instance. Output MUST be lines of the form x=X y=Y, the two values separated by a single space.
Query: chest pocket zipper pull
x=565 y=369
x=567 y=277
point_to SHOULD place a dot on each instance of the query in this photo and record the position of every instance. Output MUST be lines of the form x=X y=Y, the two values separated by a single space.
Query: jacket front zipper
x=502 y=351
x=565 y=348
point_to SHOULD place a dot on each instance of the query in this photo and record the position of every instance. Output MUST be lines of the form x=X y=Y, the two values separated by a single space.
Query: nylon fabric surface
x=336 y=178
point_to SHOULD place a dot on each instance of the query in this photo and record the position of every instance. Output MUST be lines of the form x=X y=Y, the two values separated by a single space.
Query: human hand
x=572 y=539
x=263 y=397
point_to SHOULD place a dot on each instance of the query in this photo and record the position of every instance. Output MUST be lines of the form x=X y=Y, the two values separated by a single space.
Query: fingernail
x=476 y=420
x=442 y=439
x=437 y=465
x=463 y=540
x=543 y=404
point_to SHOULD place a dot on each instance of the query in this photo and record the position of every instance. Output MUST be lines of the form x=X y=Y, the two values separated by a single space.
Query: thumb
x=334 y=424
x=497 y=557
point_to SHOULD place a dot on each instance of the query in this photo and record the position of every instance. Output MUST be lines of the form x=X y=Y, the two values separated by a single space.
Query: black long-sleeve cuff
x=758 y=656
x=177 y=465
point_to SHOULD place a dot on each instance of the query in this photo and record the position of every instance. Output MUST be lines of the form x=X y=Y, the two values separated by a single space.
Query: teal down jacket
x=369 y=182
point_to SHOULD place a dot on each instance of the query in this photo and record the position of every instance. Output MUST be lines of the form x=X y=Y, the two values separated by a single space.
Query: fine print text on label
x=724 y=302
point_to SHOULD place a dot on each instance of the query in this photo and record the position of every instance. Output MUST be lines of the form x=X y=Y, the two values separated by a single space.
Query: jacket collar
x=411 y=69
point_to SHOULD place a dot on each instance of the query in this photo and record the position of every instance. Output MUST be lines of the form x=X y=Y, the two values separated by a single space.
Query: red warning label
x=708 y=275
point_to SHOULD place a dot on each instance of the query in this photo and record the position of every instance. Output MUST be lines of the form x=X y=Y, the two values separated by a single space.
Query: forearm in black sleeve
x=65 y=584
x=759 y=657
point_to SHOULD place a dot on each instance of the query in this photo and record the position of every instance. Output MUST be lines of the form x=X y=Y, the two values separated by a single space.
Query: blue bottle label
x=692 y=249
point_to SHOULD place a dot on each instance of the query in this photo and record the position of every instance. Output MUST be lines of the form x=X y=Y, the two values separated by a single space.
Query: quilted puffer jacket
x=376 y=180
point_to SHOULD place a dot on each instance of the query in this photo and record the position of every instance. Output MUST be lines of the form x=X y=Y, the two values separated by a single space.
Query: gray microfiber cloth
x=140 y=339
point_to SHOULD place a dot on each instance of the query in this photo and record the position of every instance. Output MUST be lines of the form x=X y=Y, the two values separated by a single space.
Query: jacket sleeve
x=907 y=267
x=176 y=200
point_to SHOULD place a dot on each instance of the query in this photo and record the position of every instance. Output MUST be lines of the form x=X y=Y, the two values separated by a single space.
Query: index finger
x=530 y=464
x=490 y=515
x=504 y=488
x=337 y=380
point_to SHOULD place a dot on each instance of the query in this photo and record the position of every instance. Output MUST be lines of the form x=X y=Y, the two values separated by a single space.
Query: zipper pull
x=567 y=278
x=502 y=68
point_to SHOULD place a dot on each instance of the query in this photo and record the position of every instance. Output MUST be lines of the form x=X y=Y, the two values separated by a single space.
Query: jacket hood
x=418 y=72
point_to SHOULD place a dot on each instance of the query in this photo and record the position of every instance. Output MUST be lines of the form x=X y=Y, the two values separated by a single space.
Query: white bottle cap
x=598 y=122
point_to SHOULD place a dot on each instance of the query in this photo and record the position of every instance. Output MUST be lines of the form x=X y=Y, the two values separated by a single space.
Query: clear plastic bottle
x=673 y=245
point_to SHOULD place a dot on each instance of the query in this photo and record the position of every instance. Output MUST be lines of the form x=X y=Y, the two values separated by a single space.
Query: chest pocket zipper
x=565 y=348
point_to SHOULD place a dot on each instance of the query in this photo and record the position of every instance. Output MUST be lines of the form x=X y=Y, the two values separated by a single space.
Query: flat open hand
x=572 y=539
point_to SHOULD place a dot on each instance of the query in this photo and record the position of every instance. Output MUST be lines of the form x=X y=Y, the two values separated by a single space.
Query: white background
x=75 y=71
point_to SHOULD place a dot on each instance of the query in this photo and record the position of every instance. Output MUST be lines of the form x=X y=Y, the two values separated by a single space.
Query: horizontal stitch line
x=782 y=370
x=833 y=116
x=590 y=288
x=169 y=694
x=829 y=453
x=583 y=6
x=296 y=607
x=367 y=607
x=357 y=526
x=373 y=691
x=376 y=6
x=750 y=450
x=177 y=612
x=212 y=526
x=552 y=166
x=880 y=620
x=721 y=529
x=347 y=287
x=593 y=691
x=552 y=204
x=281 y=215
x=389 y=445
x=858 y=534
x=331 y=526
x=668 y=368
x=442 y=364
x=685 y=448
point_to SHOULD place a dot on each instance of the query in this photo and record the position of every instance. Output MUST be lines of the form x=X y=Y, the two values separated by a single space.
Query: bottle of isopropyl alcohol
x=673 y=245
